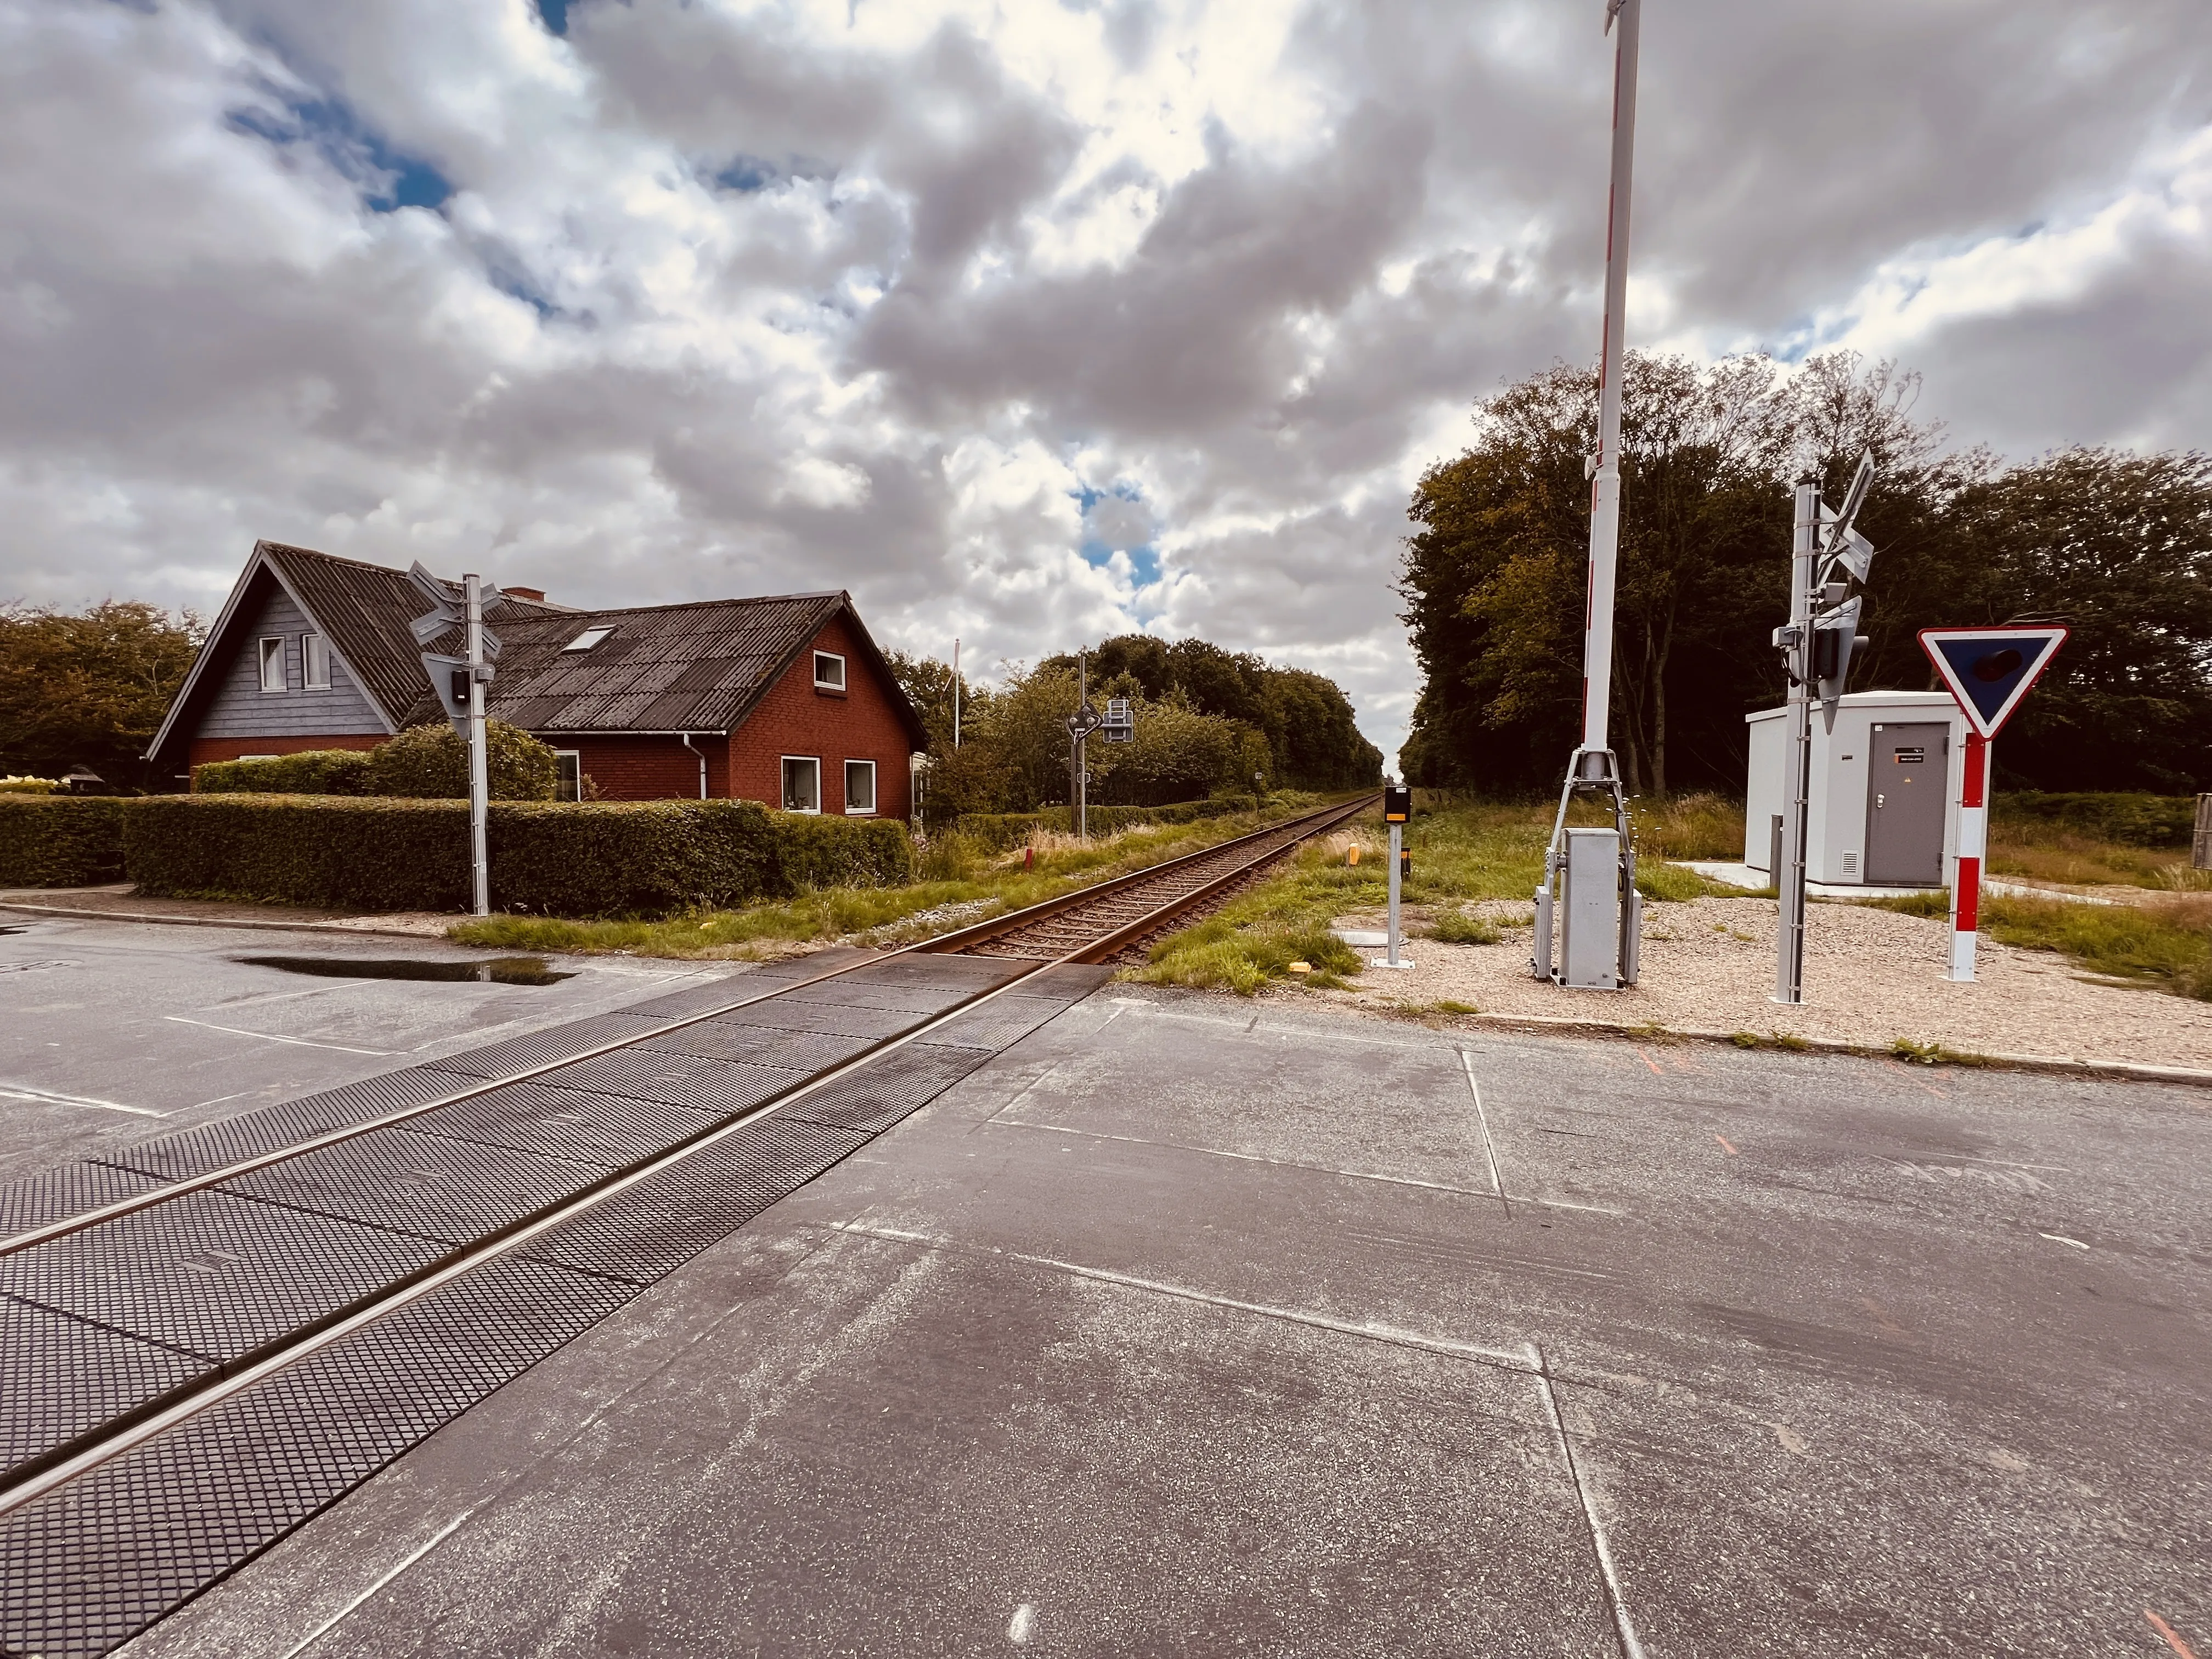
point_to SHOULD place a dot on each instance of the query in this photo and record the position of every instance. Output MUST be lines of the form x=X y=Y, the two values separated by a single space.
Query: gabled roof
x=364 y=610
x=699 y=667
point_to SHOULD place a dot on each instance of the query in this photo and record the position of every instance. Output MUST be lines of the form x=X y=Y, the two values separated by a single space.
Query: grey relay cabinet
x=1884 y=800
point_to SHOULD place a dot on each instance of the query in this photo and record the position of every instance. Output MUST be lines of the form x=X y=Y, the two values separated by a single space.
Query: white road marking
x=271 y=1037
x=2061 y=1238
x=48 y=1098
x=1153 y=1011
x=286 y=996
x=1615 y=1601
x=1497 y=1180
x=346 y=1612
x=1241 y=1157
x=1024 y=1627
x=1564 y=1204
x=1372 y=1330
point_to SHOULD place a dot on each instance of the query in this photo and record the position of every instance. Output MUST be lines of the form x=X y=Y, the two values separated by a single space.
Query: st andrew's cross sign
x=1989 y=671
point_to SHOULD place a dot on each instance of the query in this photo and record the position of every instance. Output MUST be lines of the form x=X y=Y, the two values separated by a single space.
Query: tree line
x=2116 y=545
x=91 y=689
x=1207 y=721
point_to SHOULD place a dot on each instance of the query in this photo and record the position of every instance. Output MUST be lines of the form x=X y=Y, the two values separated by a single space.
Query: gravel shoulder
x=1871 y=976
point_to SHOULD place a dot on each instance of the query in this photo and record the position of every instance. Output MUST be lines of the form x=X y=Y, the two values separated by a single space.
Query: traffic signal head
x=1835 y=638
x=1397 y=802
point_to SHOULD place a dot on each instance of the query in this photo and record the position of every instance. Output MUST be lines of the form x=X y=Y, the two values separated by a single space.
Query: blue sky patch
x=554 y=13
x=387 y=178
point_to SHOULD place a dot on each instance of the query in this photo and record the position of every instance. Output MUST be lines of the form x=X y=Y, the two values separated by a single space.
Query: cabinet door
x=1908 y=778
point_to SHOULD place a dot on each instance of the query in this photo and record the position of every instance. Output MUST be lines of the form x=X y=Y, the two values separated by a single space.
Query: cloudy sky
x=1026 y=322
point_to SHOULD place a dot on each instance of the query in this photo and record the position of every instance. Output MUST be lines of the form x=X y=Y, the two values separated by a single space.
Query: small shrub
x=1457 y=927
x=1744 y=1039
x=1670 y=883
x=815 y=850
x=1447 y=1006
x=61 y=841
x=431 y=762
x=312 y=772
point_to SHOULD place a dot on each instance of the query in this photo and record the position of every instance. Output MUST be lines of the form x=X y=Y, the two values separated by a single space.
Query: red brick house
x=784 y=700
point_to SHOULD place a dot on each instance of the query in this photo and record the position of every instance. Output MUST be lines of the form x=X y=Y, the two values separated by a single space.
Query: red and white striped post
x=1973 y=843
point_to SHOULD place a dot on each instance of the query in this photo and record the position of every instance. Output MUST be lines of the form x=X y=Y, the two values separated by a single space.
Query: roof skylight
x=587 y=639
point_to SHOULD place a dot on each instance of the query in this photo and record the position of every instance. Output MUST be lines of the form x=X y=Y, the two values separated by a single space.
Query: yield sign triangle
x=1990 y=670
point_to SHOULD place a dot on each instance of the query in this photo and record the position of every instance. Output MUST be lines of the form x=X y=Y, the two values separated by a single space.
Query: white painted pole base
x=1962 y=957
x=1385 y=962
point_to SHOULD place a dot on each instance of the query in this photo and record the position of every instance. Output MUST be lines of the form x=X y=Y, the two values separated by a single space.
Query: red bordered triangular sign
x=1989 y=670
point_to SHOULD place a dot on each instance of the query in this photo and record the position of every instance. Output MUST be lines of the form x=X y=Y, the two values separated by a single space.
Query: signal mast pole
x=1589 y=881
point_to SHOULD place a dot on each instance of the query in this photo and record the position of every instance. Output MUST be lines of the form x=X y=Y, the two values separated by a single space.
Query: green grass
x=1457 y=927
x=955 y=870
x=2165 y=947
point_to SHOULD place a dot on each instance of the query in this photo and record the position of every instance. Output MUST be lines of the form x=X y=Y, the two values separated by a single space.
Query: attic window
x=829 y=672
x=587 y=639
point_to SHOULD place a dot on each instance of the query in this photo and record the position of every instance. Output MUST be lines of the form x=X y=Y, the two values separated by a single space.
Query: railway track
x=189 y=1328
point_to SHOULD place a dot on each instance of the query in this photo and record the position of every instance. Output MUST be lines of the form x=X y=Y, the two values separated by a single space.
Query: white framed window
x=315 y=662
x=859 y=786
x=569 y=782
x=802 y=783
x=272 y=666
x=829 y=672
x=587 y=639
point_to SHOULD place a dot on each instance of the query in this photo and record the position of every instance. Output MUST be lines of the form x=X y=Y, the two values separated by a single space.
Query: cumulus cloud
x=1026 y=324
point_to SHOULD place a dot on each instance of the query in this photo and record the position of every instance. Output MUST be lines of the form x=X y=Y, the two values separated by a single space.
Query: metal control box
x=1589 y=910
x=1883 y=796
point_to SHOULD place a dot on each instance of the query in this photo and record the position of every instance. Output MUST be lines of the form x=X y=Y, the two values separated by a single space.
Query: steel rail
x=123 y=1434
x=62 y=1226
x=993 y=926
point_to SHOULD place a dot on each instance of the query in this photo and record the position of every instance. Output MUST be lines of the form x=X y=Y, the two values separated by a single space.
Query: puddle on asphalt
x=493 y=970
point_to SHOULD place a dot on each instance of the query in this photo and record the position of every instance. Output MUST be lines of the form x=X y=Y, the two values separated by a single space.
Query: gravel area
x=1871 y=976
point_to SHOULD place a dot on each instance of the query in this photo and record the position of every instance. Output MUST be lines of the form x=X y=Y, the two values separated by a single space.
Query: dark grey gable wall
x=241 y=708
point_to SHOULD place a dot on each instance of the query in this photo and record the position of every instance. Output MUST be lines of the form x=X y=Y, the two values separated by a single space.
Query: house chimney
x=536 y=593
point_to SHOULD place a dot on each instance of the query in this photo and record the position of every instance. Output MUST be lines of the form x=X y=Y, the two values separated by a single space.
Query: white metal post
x=1592 y=766
x=1605 y=490
x=1082 y=763
x=1797 y=758
x=956 y=693
x=479 y=783
x=1397 y=842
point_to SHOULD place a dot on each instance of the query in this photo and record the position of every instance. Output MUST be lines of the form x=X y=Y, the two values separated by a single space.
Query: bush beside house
x=311 y=772
x=61 y=841
x=566 y=859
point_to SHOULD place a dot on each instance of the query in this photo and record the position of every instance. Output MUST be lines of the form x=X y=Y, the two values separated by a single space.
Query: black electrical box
x=1397 y=802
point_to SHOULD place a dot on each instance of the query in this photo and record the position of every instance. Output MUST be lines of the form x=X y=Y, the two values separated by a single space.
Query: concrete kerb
x=1546 y=1023
x=346 y=928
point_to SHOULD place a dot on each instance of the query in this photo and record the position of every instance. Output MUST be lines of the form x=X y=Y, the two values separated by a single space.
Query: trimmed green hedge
x=815 y=850
x=61 y=841
x=2132 y=820
x=313 y=772
x=549 y=858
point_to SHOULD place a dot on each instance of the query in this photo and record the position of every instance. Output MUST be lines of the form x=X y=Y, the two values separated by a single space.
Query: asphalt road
x=1190 y=1326
x=114 y=1031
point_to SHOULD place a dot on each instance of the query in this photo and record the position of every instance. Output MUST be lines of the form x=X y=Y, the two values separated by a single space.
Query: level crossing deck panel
x=72 y=1189
x=761 y=1045
x=612 y=1131
x=454 y=1191
x=527 y=1052
x=211 y=1273
x=214 y=1146
x=135 y=1537
x=63 y=1376
x=795 y=1013
x=708 y=1085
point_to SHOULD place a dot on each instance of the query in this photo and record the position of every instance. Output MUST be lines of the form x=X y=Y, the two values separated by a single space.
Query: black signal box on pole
x=1397 y=802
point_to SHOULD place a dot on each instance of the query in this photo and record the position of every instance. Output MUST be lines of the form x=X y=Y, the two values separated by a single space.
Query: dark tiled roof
x=365 y=610
x=668 y=668
x=665 y=668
